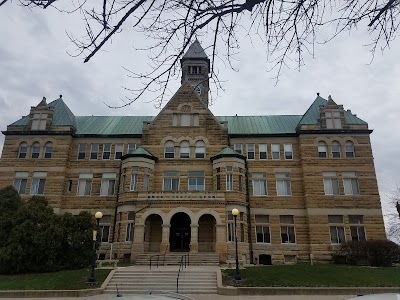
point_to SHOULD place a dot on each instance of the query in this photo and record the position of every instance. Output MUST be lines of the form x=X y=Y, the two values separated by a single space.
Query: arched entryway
x=153 y=233
x=180 y=232
x=207 y=233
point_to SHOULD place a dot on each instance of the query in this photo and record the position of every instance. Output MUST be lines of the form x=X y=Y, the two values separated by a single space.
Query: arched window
x=48 y=149
x=184 y=149
x=336 y=149
x=169 y=149
x=322 y=149
x=23 y=149
x=200 y=149
x=35 y=150
x=349 y=147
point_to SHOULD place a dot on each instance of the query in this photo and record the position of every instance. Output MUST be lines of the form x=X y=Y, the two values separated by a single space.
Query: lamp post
x=237 y=276
x=92 y=278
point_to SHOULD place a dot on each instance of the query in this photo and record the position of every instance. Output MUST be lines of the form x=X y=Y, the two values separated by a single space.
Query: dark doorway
x=179 y=238
x=207 y=233
x=265 y=259
x=153 y=233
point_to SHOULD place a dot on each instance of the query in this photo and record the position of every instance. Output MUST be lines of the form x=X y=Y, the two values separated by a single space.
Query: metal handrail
x=183 y=263
x=165 y=251
x=158 y=257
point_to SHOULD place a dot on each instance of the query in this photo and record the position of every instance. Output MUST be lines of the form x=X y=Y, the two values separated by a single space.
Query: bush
x=377 y=253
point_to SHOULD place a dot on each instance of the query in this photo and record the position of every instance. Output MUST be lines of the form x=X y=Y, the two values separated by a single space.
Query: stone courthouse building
x=302 y=183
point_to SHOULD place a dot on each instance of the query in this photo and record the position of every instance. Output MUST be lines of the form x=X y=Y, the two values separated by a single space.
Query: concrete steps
x=173 y=259
x=133 y=281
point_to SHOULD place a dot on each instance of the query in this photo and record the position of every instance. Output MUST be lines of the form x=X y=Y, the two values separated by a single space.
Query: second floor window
x=134 y=178
x=283 y=187
x=38 y=183
x=85 y=184
x=336 y=228
x=331 y=183
x=259 y=184
x=108 y=184
x=229 y=179
x=350 y=182
x=357 y=229
x=288 y=234
x=20 y=182
x=262 y=229
x=171 y=181
x=196 y=181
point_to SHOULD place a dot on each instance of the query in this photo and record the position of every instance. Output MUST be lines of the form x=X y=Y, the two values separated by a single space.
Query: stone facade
x=171 y=185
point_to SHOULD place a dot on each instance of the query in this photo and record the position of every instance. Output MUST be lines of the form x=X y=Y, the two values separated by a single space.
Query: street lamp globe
x=235 y=211
x=99 y=215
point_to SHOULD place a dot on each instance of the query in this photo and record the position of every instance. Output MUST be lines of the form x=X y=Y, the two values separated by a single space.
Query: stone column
x=165 y=238
x=194 y=242
x=138 y=243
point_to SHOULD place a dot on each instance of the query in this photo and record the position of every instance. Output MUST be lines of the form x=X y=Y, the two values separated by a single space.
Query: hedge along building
x=303 y=183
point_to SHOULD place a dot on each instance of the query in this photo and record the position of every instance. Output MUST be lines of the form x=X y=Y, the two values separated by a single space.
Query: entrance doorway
x=180 y=233
x=207 y=233
x=153 y=233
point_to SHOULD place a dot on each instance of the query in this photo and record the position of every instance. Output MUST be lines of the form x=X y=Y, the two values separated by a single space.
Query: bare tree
x=393 y=217
x=288 y=29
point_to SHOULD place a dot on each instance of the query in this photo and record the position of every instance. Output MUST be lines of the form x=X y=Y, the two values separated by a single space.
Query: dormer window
x=39 y=121
x=333 y=120
x=194 y=70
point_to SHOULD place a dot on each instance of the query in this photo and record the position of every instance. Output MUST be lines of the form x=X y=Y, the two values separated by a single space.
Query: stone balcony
x=180 y=196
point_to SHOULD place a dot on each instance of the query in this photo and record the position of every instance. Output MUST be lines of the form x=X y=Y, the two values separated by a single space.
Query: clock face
x=197 y=89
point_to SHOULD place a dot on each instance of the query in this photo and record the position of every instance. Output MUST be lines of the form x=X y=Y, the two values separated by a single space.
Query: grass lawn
x=63 y=280
x=319 y=275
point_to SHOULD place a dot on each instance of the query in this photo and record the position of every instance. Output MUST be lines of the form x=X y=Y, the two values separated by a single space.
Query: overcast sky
x=34 y=63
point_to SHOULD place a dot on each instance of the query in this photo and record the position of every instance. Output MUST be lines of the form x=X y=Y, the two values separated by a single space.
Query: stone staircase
x=174 y=258
x=139 y=279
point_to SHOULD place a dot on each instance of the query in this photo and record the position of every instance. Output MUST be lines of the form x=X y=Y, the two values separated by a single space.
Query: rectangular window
x=263 y=234
x=94 y=150
x=81 y=151
x=230 y=227
x=357 y=229
x=119 y=151
x=85 y=184
x=287 y=229
x=185 y=119
x=108 y=184
x=23 y=149
x=39 y=121
x=196 y=181
x=250 y=151
x=331 y=183
x=218 y=179
x=146 y=179
x=238 y=148
x=263 y=151
x=229 y=179
x=194 y=69
x=38 y=183
x=275 y=150
x=131 y=148
x=171 y=181
x=106 y=151
x=105 y=223
x=196 y=120
x=174 y=120
x=48 y=149
x=283 y=186
x=129 y=232
x=350 y=183
x=333 y=120
x=69 y=186
x=134 y=178
x=288 y=149
x=260 y=184
x=336 y=228
x=19 y=183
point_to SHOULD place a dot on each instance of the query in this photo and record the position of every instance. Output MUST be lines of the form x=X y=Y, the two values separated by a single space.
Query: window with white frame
x=336 y=149
x=106 y=151
x=263 y=234
x=81 y=151
x=288 y=234
x=200 y=149
x=349 y=148
x=184 y=149
x=130 y=227
x=238 y=148
x=185 y=119
x=131 y=148
x=357 y=229
x=331 y=183
x=196 y=181
x=229 y=178
x=94 y=150
x=322 y=149
x=333 y=120
x=119 y=151
x=350 y=183
x=84 y=184
x=259 y=184
x=283 y=186
x=107 y=187
x=19 y=183
x=275 y=151
x=230 y=227
x=35 y=150
x=38 y=183
x=288 y=151
x=174 y=119
x=250 y=151
x=39 y=121
x=171 y=181
x=48 y=149
x=336 y=228
x=23 y=150
x=196 y=120
x=134 y=178
x=263 y=151
x=146 y=179
x=105 y=224
x=169 y=149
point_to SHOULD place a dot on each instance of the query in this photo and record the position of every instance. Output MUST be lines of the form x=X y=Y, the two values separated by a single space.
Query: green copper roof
x=227 y=152
x=142 y=151
x=312 y=115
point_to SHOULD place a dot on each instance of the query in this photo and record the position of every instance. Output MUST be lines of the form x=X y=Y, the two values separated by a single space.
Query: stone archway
x=207 y=233
x=153 y=233
x=180 y=232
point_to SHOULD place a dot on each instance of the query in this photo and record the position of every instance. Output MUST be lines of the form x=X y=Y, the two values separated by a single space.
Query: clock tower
x=195 y=69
